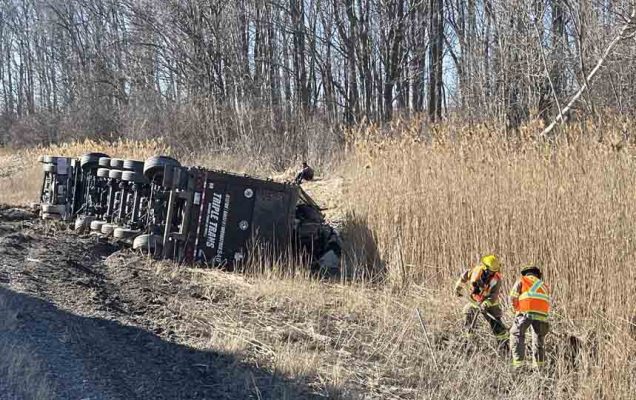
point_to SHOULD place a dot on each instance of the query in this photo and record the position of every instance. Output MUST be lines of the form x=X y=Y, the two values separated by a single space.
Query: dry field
x=415 y=209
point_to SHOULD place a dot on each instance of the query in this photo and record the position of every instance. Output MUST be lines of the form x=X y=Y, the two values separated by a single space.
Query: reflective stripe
x=536 y=286
x=528 y=295
x=504 y=335
x=493 y=282
x=488 y=303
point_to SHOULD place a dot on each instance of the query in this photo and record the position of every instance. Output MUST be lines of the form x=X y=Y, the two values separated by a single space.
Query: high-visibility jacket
x=484 y=288
x=530 y=295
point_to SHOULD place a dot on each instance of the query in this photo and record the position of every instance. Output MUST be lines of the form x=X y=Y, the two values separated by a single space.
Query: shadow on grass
x=361 y=258
x=50 y=353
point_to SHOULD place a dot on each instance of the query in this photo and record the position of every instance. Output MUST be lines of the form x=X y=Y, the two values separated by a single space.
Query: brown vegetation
x=416 y=207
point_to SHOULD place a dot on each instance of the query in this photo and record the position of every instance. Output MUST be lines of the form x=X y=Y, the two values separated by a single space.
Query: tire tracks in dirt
x=81 y=327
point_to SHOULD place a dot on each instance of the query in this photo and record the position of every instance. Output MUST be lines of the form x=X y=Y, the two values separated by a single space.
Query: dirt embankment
x=80 y=320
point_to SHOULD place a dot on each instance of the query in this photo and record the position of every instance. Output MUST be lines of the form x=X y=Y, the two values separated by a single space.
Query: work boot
x=518 y=365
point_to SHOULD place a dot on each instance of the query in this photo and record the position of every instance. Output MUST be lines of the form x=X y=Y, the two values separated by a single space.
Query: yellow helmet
x=491 y=262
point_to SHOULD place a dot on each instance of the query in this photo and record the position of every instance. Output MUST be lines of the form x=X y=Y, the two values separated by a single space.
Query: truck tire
x=124 y=233
x=147 y=243
x=156 y=164
x=97 y=225
x=103 y=172
x=116 y=163
x=51 y=217
x=133 y=176
x=51 y=168
x=83 y=223
x=91 y=160
x=114 y=174
x=133 y=165
x=108 y=229
x=104 y=162
x=53 y=208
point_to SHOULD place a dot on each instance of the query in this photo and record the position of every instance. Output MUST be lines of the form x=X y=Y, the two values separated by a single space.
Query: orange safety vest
x=533 y=296
x=475 y=276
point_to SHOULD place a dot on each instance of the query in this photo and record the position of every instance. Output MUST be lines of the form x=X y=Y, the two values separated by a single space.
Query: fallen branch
x=599 y=64
x=428 y=342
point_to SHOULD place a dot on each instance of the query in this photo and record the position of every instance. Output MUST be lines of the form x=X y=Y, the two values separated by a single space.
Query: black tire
x=125 y=233
x=51 y=217
x=96 y=225
x=108 y=229
x=132 y=165
x=83 y=223
x=103 y=172
x=51 y=168
x=104 y=162
x=91 y=160
x=155 y=165
x=53 y=208
x=117 y=163
x=114 y=174
x=147 y=243
x=133 y=176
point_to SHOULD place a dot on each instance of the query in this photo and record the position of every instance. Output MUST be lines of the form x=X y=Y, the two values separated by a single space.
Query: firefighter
x=531 y=302
x=306 y=173
x=484 y=284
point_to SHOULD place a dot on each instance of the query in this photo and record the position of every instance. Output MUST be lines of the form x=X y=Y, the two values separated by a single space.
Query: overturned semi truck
x=188 y=214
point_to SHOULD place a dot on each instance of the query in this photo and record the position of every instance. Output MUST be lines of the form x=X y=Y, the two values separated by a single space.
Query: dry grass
x=418 y=207
x=436 y=203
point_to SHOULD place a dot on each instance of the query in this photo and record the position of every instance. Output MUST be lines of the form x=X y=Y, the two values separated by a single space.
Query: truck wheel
x=116 y=163
x=132 y=165
x=114 y=174
x=51 y=216
x=104 y=162
x=97 y=225
x=83 y=224
x=91 y=160
x=102 y=172
x=108 y=229
x=53 y=208
x=133 y=176
x=156 y=164
x=125 y=233
x=49 y=168
x=147 y=243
